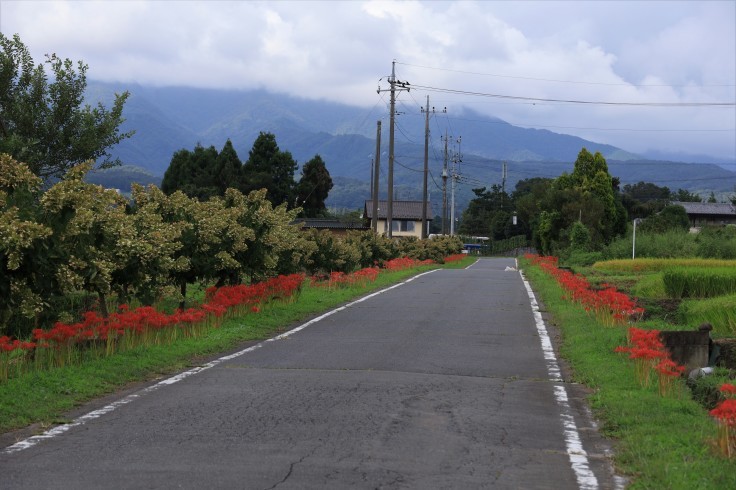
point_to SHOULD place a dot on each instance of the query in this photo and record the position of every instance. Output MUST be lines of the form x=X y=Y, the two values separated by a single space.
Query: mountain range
x=167 y=119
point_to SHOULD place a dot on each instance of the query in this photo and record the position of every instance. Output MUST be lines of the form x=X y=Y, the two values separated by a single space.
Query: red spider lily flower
x=668 y=367
x=646 y=353
x=728 y=389
x=725 y=412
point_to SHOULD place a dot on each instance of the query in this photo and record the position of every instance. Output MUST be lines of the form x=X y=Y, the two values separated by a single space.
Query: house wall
x=711 y=220
x=417 y=232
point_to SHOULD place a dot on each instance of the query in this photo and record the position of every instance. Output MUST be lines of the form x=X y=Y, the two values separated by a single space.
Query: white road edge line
x=95 y=414
x=578 y=457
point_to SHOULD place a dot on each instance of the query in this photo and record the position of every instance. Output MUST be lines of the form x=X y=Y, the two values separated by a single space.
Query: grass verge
x=44 y=396
x=661 y=442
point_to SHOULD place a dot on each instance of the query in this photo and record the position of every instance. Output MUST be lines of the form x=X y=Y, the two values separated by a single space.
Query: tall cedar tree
x=271 y=169
x=192 y=172
x=45 y=124
x=313 y=188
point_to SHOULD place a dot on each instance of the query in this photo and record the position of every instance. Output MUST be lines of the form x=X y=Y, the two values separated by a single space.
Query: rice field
x=657 y=265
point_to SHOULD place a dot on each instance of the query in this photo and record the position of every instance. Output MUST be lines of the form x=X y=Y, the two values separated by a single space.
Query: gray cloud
x=339 y=50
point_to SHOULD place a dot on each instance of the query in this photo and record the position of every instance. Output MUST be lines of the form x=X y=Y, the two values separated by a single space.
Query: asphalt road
x=438 y=383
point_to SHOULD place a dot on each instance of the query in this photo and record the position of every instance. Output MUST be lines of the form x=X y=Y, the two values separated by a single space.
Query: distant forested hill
x=167 y=119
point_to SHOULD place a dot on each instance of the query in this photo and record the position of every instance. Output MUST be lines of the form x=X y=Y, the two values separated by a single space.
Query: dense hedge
x=77 y=239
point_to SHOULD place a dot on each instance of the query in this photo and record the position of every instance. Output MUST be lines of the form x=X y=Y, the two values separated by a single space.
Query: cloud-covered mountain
x=167 y=119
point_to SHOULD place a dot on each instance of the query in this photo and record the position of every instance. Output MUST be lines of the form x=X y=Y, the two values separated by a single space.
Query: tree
x=527 y=197
x=480 y=217
x=25 y=284
x=670 y=218
x=45 y=124
x=192 y=172
x=313 y=188
x=591 y=177
x=227 y=170
x=683 y=195
x=270 y=168
x=88 y=224
x=644 y=199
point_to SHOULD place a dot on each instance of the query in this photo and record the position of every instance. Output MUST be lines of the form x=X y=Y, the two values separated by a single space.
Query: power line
x=596 y=129
x=562 y=81
x=573 y=101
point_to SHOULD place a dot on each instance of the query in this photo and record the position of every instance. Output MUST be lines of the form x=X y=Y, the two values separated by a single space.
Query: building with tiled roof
x=406 y=219
x=709 y=214
x=333 y=225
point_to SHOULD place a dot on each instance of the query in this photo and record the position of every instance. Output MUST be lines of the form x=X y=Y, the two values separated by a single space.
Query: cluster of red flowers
x=360 y=277
x=455 y=258
x=240 y=298
x=725 y=414
x=127 y=328
x=649 y=353
x=610 y=306
x=405 y=263
x=8 y=345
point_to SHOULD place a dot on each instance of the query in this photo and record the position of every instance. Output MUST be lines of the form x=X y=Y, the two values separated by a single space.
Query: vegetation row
x=663 y=437
x=75 y=237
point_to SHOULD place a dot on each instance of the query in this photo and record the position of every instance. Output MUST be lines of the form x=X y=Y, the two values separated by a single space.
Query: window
x=402 y=225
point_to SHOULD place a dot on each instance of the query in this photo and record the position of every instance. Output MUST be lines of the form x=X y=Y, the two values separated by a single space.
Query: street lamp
x=633 y=240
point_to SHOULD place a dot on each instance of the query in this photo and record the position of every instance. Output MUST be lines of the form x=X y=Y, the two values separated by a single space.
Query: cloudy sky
x=630 y=55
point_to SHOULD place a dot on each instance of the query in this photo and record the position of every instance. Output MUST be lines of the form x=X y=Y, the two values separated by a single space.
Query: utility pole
x=376 y=168
x=425 y=197
x=393 y=83
x=444 y=190
x=456 y=158
x=503 y=178
x=426 y=171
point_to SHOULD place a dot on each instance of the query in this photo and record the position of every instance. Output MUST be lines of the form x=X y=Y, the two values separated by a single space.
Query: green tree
x=88 y=224
x=270 y=168
x=579 y=236
x=148 y=255
x=683 y=195
x=44 y=123
x=193 y=173
x=644 y=199
x=313 y=188
x=527 y=198
x=227 y=170
x=591 y=178
x=670 y=218
x=25 y=283
x=487 y=214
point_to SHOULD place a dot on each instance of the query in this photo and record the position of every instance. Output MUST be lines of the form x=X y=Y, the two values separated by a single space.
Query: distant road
x=441 y=382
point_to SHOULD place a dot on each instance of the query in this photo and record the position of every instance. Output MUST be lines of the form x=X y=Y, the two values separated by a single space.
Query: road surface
x=440 y=382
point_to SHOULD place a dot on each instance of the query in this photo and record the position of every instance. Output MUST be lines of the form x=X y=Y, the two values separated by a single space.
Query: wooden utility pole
x=393 y=84
x=456 y=158
x=376 y=167
x=425 y=196
x=392 y=117
x=426 y=171
x=444 y=190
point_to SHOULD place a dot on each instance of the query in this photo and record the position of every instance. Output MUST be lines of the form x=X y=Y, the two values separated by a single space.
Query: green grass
x=699 y=282
x=719 y=312
x=660 y=442
x=650 y=286
x=44 y=396
x=658 y=264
